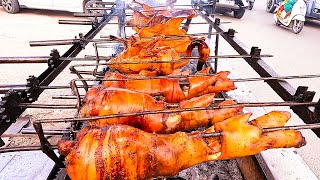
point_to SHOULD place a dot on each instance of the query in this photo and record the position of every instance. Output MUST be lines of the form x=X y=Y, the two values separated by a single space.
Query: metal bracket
x=82 y=40
x=9 y=110
x=46 y=147
x=217 y=21
x=303 y=95
x=231 y=33
x=32 y=86
x=54 y=59
x=255 y=52
x=317 y=110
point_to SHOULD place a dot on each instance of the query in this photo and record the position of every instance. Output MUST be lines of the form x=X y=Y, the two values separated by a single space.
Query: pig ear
x=210 y=129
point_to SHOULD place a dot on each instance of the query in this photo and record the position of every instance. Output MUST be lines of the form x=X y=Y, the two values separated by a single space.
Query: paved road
x=294 y=54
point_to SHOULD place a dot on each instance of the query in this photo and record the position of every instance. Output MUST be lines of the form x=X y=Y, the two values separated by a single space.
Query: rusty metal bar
x=259 y=104
x=65 y=97
x=47 y=106
x=35 y=59
x=266 y=130
x=76 y=22
x=200 y=75
x=94 y=15
x=65 y=42
x=22 y=148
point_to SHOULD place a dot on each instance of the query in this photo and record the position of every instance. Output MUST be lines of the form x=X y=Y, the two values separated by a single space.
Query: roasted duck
x=115 y=101
x=124 y=152
x=168 y=88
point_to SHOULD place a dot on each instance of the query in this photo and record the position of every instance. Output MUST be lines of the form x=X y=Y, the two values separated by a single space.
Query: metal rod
x=260 y=104
x=46 y=132
x=76 y=22
x=104 y=3
x=173 y=35
x=23 y=148
x=23 y=86
x=65 y=42
x=94 y=15
x=200 y=75
x=98 y=8
x=91 y=57
x=44 y=59
x=49 y=106
x=204 y=135
x=34 y=59
x=266 y=130
x=66 y=97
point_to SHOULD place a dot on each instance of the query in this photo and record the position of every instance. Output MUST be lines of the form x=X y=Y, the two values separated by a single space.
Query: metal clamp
x=53 y=61
x=303 y=95
x=217 y=21
x=9 y=110
x=255 y=52
x=32 y=86
x=231 y=33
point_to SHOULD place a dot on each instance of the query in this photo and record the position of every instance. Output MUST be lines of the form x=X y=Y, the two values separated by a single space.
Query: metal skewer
x=23 y=148
x=65 y=42
x=95 y=14
x=200 y=75
x=49 y=106
x=266 y=130
x=260 y=104
x=44 y=59
x=204 y=135
x=4 y=88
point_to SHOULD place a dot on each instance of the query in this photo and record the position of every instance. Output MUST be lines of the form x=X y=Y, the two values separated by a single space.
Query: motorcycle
x=295 y=19
x=250 y=4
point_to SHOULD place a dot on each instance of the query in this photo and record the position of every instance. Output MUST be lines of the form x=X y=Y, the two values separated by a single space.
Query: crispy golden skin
x=124 y=152
x=241 y=138
x=168 y=88
x=116 y=101
x=148 y=50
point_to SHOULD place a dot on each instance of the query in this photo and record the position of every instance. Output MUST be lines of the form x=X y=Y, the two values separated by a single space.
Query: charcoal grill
x=19 y=97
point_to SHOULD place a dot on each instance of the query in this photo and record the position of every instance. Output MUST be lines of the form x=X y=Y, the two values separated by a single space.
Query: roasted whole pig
x=168 y=88
x=116 y=101
x=124 y=152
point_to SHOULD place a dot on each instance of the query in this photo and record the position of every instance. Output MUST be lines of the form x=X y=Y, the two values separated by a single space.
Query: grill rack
x=300 y=95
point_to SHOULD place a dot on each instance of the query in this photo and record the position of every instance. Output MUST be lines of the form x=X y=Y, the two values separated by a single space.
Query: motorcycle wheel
x=296 y=26
x=239 y=13
x=250 y=5
x=271 y=6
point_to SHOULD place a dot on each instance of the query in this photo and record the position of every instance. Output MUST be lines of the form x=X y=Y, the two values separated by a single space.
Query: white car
x=13 y=6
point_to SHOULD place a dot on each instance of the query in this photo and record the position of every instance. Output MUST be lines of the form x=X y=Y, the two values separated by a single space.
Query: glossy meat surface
x=240 y=138
x=168 y=88
x=148 y=50
x=115 y=101
x=124 y=152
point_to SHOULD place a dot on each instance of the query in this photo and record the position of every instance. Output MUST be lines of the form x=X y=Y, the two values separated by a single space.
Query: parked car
x=313 y=8
x=238 y=7
x=13 y=6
